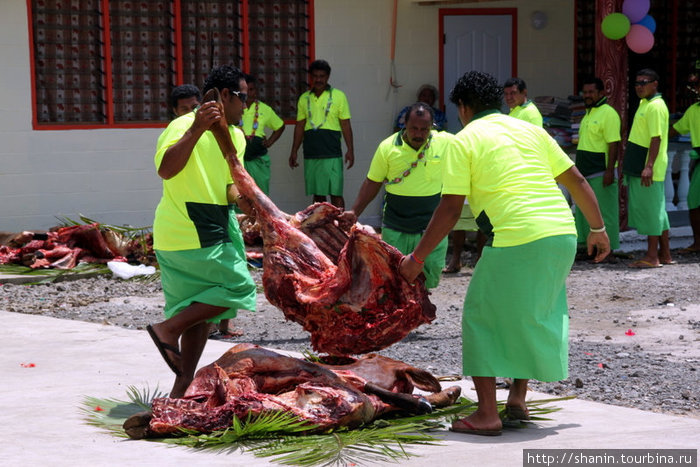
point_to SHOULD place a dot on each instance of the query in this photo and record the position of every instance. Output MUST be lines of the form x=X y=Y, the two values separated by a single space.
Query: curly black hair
x=478 y=90
x=183 y=92
x=224 y=76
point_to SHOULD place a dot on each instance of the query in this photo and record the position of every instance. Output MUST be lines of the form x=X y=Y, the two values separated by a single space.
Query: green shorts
x=516 y=321
x=610 y=209
x=406 y=243
x=217 y=275
x=466 y=220
x=324 y=177
x=259 y=169
x=647 y=207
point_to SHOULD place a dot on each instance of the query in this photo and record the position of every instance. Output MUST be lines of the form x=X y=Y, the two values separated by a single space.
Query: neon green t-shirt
x=414 y=179
x=266 y=118
x=527 y=112
x=193 y=211
x=599 y=127
x=313 y=109
x=651 y=120
x=507 y=170
x=322 y=130
x=394 y=156
x=690 y=123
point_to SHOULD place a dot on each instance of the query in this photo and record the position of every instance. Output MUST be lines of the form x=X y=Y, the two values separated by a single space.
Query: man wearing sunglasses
x=323 y=115
x=690 y=123
x=195 y=234
x=644 y=168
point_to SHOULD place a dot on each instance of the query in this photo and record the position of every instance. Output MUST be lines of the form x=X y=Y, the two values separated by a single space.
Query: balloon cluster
x=634 y=24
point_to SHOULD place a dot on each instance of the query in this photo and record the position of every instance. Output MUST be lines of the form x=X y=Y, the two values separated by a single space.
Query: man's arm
x=346 y=128
x=368 y=191
x=609 y=175
x=267 y=142
x=648 y=171
x=177 y=155
x=296 y=142
x=444 y=218
x=585 y=200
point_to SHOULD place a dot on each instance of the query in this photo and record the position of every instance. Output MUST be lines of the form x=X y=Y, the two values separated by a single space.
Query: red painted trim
x=245 y=40
x=442 y=12
x=674 y=54
x=312 y=32
x=575 y=91
x=179 y=67
x=35 y=119
x=98 y=126
x=109 y=97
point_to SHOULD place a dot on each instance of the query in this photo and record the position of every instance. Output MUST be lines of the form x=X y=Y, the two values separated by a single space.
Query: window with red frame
x=114 y=63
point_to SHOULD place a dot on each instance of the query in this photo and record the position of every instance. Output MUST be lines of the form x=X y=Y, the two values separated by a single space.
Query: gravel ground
x=654 y=369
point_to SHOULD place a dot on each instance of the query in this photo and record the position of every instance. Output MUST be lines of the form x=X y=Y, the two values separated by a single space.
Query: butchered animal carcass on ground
x=249 y=380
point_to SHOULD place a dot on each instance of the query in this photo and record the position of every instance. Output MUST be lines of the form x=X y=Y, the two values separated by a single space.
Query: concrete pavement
x=39 y=407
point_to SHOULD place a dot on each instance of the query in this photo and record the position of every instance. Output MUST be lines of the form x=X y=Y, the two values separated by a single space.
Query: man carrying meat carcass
x=196 y=238
x=410 y=163
x=515 y=318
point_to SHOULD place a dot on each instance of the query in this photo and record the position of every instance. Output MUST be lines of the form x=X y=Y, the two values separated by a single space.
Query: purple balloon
x=649 y=23
x=635 y=10
x=639 y=39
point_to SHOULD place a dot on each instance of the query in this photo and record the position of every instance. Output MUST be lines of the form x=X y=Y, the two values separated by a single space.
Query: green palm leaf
x=286 y=440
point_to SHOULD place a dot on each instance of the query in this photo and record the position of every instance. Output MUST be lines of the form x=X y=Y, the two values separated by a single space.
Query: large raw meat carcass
x=347 y=293
x=64 y=247
x=248 y=380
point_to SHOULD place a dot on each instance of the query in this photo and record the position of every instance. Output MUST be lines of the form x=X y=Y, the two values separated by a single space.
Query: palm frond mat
x=280 y=437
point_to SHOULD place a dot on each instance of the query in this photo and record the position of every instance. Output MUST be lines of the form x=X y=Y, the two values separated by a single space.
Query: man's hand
x=293 y=160
x=609 y=177
x=601 y=243
x=647 y=175
x=348 y=218
x=350 y=158
x=206 y=116
x=409 y=268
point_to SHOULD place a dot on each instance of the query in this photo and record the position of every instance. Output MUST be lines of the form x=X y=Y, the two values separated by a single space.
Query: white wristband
x=600 y=230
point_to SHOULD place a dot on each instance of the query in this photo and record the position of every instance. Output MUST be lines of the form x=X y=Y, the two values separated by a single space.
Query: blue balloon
x=648 y=22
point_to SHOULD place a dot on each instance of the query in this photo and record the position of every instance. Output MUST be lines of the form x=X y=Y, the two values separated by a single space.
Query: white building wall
x=108 y=174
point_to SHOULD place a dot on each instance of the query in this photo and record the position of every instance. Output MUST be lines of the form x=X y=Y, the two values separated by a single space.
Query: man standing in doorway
x=323 y=114
x=596 y=158
x=515 y=94
x=645 y=170
x=410 y=162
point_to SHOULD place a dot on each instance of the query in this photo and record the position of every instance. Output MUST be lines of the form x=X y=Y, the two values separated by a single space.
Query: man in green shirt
x=184 y=99
x=690 y=123
x=196 y=238
x=256 y=117
x=515 y=93
x=410 y=163
x=596 y=159
x=323 y=114
x=644 y=168
x=515 y=317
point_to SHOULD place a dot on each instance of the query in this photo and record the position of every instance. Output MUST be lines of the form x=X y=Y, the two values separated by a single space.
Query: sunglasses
x=642 y=83
x=241 y=95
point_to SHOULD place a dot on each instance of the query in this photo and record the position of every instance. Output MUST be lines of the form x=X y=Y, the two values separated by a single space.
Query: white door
x=481 y=42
